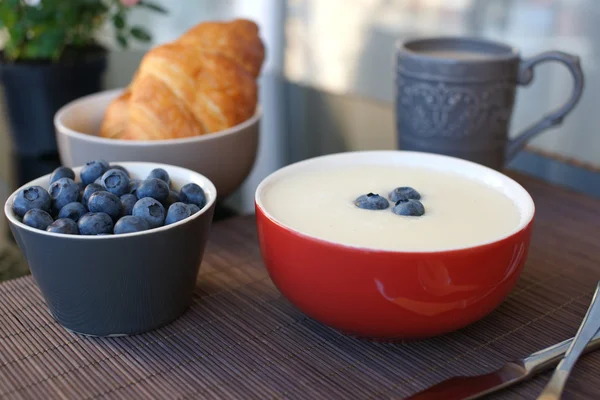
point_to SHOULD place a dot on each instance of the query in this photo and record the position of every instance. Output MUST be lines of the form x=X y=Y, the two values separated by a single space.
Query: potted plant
x=51 y=56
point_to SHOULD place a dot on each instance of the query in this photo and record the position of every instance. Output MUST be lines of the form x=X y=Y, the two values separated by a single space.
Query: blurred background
x=327 y=86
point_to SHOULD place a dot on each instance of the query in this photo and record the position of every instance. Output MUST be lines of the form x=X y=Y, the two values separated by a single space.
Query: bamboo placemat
x=241 y=339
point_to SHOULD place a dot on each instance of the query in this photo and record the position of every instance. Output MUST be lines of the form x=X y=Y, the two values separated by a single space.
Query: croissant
x=203 y=82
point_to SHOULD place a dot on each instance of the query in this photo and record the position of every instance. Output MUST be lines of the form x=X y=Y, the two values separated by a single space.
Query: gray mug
x=455 y=96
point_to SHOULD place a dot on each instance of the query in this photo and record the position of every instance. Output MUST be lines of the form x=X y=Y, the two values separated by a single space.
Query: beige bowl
x=225 y=157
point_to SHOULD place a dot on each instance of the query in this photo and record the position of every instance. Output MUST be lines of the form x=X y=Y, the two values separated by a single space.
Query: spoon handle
x=588 y=328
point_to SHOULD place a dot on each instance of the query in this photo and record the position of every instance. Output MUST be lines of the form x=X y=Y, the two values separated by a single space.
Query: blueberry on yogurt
x=404 y=193
x=409 y=207
x=371 y=201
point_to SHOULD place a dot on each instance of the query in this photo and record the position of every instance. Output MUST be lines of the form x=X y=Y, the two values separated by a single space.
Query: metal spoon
x=588 y=328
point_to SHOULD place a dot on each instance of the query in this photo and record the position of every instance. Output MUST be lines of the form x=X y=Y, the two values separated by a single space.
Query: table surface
x=242 y=339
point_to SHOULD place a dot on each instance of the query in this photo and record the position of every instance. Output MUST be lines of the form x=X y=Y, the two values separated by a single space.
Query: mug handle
x=556 y=117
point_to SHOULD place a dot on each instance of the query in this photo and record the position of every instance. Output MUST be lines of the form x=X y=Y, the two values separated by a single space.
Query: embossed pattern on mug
x=437 y=109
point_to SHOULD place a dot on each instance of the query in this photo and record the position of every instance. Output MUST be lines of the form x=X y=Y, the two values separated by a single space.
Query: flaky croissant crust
x=203 y=82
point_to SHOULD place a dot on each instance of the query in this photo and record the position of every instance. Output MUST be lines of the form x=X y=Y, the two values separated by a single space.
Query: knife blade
x=511 y=373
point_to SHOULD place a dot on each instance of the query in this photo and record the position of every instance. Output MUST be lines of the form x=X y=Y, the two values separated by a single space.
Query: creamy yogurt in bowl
x=376 y=274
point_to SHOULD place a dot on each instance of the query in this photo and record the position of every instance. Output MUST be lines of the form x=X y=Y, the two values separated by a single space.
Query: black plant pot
x=33 y=93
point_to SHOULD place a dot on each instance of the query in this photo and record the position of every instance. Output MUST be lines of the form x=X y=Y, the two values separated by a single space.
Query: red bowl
x=392 y=295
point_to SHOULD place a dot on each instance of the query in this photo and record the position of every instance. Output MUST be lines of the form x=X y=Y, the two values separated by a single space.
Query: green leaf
x=153 y=7
x=33 y=50
x=140 y=34
x=39 y=15
x=69 y=16
x=17 y=34
x=8 y=17
x=48 y=44
x=44 y=31
x=12 y=3
x=11 y=51
x=119 y=21
x=122 y=40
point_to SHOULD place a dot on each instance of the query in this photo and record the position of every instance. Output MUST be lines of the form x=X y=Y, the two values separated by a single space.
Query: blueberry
x=161 y=174
x=63 y=192
x=371 y=201
x=62 y=172
x=120 y=168
x=193 y=194
x=177 y=212
x=129 y=224
x=92 y=170
x=173 y=198
x=98 y=181
x=72 y=211
x=64 y=225
x=404 y=193
x=95 y=224
x=30 y=198
x=155 y=188
x=90 y=190
x=193 y=208
x=409 y=207
x=116 y=182
x=105 y=202
x=133 y=185
x=127 y=203
x=37 y=218
x=151 y=210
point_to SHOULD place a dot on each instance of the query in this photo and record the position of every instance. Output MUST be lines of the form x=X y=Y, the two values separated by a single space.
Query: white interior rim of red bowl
x=212 y=199
x=526 y=206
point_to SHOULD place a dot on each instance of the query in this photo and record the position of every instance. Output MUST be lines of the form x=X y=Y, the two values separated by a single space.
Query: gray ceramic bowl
x=226 y=157
x=118 y=284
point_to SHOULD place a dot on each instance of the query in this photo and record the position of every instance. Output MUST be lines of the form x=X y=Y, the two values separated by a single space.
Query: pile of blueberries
x=106 y=200
x=406 y=202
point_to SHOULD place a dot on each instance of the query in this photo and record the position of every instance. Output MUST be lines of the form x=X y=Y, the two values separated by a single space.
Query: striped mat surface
x=241 y=339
